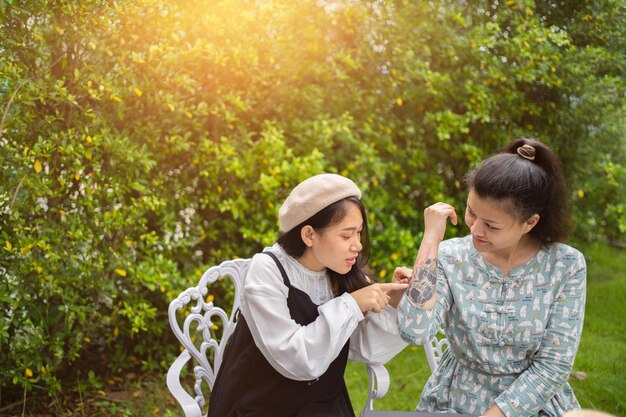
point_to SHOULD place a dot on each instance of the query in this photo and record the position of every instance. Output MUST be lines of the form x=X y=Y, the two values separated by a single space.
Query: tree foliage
x=142 y=141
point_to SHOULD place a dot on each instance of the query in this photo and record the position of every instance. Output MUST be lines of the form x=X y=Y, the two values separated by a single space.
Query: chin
x=342 y=271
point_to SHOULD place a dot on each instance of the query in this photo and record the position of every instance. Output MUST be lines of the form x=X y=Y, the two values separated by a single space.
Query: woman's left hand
x=435 y=219
x=494 y=411
x=401 y=275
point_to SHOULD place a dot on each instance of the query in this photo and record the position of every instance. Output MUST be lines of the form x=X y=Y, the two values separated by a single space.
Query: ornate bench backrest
x=203 y=329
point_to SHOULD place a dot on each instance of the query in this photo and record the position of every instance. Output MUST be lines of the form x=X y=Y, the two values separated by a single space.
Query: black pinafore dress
x=248 y=386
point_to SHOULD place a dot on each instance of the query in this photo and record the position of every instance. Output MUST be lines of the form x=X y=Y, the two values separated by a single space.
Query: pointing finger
x=393 y=286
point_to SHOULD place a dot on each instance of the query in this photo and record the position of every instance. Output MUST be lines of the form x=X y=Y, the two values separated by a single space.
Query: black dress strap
x=280 y=267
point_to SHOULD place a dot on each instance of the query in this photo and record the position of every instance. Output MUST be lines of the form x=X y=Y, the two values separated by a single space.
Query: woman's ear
x=306 y=234
x=531 y=222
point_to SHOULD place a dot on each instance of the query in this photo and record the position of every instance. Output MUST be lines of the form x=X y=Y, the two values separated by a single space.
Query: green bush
x=142 y=142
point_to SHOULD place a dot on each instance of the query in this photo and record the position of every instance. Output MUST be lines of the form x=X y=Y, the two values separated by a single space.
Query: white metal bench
x=204 y=328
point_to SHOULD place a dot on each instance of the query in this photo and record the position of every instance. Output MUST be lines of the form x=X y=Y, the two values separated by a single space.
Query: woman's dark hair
x=526 y=177
x=293 y=244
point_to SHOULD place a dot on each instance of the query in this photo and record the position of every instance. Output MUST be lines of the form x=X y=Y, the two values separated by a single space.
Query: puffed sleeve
x=376 y=339
x=553 y=362
x=297 y=352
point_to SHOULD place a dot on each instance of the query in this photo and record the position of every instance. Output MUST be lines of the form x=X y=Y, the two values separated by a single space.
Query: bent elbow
x=414 y=336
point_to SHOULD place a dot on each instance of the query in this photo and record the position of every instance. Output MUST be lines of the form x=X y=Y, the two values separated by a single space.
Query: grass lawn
x=601 y=355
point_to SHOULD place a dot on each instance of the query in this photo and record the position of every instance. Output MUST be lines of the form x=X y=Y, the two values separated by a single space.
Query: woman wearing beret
x=307 y=307
x=510 y=296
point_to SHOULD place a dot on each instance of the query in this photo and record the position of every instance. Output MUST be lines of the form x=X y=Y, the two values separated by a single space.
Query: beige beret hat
x=312 y=195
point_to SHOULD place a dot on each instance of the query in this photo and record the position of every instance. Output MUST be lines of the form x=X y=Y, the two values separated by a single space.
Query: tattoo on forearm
x=423 y=283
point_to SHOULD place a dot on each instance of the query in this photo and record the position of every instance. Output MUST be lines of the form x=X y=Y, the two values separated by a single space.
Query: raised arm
x=418 y=320
x=423 y=283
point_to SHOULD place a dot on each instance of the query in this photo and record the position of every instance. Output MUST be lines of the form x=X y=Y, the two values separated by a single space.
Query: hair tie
x=526 y=152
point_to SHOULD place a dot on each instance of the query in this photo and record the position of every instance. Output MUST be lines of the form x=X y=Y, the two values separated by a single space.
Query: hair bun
x=526 y=152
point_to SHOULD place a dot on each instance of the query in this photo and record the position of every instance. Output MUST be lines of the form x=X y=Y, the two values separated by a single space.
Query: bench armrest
x=379 y=384
x=189 y=405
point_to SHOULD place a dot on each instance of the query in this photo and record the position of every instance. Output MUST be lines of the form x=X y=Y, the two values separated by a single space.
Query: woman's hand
x=494 y=411
x=401 y=275
x=375 y=297
x=435 y=219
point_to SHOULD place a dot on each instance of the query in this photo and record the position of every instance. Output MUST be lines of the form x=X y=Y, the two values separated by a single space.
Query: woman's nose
x=475 y=228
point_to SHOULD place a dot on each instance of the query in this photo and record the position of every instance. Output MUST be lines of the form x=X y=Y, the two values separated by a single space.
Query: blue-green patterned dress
x=512 y=339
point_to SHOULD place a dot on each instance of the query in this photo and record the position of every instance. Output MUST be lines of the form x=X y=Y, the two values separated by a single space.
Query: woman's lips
x=479 y=241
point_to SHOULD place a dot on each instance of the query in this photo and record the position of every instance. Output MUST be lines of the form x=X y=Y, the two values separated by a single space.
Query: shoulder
x=262 y=260
x=563 y=260
x=566 y=255
x=455 y=248
x=456 y=243
x=263 y=268
x=264 y=278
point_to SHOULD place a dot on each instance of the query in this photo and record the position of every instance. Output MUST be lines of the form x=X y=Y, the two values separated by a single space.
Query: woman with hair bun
x=510 y=296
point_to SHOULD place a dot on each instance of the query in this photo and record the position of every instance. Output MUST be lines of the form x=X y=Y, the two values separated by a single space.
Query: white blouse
x=304 y=352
